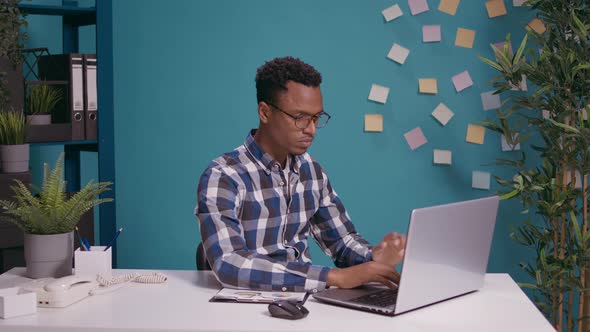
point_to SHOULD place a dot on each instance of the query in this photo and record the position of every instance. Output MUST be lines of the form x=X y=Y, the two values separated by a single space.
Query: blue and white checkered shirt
x=255 y=220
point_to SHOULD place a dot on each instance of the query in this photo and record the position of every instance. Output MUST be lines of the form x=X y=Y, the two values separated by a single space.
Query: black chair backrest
x=202 y=263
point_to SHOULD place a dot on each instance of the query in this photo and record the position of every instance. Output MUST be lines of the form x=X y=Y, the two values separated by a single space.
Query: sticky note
x=490 y=101
x=465 y=38
x=475 y=134
x=428 y=86
x=415 y=138
x=508 y=147
x=537 y=25
x=442 y=114
x=431 y=33
x=546 y=114
x=418 y=6
x=518 y=3
x=578 y=177
x=480 y=180
x=448 y=6
x=392 y=13
x=496 y=8
x=522 y=86
x=462 y=81
x=373 y=122
x=442 y=157
x=398 y=53
x=584 y=113
x=379 y=93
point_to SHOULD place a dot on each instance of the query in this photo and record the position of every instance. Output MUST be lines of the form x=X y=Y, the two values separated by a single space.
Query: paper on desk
x=442 y=157
x=537 y=25
x=475 y=134
x=448 y=6
x=465 y=38
x=373 y=122
x=253 y=296
x=379 y=93
x=418 y=6
x=480 y=180
x=428 y=85
x=398 y=53
x=442 y=114
x=508 y=147
x=462 y=81
x=490 y=101
x=496 y=8
x=431 y=33
x=415 y=138
x=392 y=13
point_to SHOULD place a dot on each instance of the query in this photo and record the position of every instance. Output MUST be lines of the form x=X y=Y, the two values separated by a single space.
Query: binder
x=67 y=67
x=90 y=97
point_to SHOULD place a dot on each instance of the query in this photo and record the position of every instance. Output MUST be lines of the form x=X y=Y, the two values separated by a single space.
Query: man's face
x=298 y=101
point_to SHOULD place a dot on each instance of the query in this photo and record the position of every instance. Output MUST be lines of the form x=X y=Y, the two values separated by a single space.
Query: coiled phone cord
x=114 y=283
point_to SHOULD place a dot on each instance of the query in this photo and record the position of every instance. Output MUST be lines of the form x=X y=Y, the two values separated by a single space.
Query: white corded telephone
x=61 y=292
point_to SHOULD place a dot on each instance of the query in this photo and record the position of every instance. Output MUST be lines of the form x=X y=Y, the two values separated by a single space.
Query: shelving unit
x=74 y=17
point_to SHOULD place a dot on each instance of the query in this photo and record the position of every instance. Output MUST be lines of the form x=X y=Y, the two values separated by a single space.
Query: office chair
x=202 y=263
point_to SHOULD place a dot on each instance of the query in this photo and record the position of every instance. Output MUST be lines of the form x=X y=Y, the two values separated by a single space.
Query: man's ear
x=263 y=112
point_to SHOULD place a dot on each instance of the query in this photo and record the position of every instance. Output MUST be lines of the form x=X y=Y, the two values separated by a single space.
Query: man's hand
x=390 y=251
x=357 y=275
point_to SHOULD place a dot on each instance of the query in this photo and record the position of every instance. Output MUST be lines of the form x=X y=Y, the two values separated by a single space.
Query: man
x=258 y=204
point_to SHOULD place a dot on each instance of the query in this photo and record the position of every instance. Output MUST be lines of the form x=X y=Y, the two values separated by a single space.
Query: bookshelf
x=74 y=17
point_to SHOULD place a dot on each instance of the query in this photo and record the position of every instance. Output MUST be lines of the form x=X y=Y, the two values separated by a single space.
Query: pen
x=114 y=239
x=86 y=244
x=82 y=245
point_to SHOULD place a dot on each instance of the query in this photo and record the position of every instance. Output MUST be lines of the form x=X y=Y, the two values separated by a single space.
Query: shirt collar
x=265 y=159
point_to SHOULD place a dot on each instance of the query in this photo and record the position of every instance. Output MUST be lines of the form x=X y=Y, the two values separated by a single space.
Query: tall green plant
x=41 y=99
x=50 y=211
x=12 y=128
x=554 y=199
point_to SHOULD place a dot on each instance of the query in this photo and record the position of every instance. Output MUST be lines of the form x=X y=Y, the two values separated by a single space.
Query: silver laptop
x=447 y=253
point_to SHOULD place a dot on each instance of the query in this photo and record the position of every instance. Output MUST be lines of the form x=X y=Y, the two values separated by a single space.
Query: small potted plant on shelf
x=14 y=152
x=48 y=218
x=40 y=102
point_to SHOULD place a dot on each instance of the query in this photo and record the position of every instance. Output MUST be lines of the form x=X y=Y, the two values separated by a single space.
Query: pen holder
x=93 y=262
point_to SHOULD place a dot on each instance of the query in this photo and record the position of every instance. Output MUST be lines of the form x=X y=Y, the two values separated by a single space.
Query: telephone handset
x=61 y=292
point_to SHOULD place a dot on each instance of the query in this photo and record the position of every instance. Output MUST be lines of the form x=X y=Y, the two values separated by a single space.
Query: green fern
x=51 y=211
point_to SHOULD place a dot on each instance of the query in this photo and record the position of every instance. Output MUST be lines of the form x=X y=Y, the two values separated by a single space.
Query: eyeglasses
x=302 y=121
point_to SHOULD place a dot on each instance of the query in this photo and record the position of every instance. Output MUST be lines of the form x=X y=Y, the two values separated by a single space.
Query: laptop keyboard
x=383 y=298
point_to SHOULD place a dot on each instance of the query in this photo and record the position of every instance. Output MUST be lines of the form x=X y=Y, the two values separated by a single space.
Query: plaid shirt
x=255 y=221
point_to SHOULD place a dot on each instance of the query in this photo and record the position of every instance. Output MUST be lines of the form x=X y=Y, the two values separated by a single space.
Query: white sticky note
x=398 y=53
x=578 y=176
x=379 y=93
x=431 y=33
x=418 y=6
x=546 y=114
x=518 y=3
x=462 y=81
x=480 y=180
x=508 y=147
x=392 y=13
x=442 y=114
x=522 y=87
x=442 y=157
x=490 y=101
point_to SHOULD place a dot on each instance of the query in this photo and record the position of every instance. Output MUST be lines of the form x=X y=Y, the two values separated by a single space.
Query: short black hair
x=272 y=77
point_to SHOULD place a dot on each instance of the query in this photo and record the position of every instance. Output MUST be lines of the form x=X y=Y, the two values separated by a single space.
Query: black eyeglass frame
x=309 y=118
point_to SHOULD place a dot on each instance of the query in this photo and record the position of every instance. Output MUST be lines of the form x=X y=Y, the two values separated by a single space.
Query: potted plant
x=48 y=218
x=14 y=152
x=553 y=185
x=40 y=102
x=12 y=37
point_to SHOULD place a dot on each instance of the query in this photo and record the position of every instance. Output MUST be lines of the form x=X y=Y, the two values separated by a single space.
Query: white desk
x=181 y=305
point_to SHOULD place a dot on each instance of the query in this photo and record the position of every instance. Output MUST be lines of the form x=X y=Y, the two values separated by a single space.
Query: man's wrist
x=332 y=279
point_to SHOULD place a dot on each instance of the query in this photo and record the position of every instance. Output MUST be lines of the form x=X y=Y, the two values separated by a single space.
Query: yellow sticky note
x=496 y=8
x=374 y=122
x=537 y=25
x=448 y=6
x=428 y=85
x=465 y=38
x=475 y=134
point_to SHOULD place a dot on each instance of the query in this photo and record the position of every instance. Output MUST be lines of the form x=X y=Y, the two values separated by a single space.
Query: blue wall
x=184 y=93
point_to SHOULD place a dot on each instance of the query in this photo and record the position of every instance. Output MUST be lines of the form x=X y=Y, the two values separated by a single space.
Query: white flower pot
x=14 y=158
